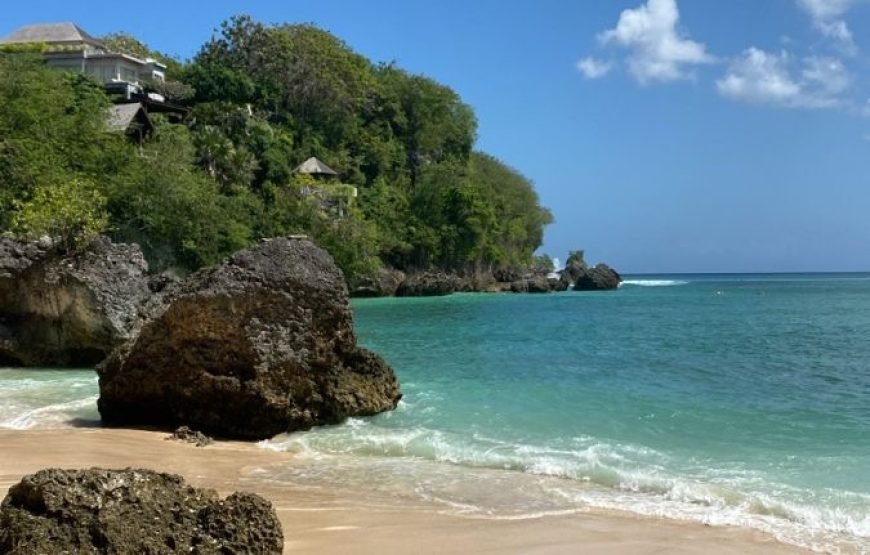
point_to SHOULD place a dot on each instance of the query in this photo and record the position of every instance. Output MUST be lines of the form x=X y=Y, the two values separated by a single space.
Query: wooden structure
x=335 y=198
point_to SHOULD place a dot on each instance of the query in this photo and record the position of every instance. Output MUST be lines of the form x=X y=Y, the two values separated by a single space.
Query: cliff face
x=258 y=345
x=60 y=309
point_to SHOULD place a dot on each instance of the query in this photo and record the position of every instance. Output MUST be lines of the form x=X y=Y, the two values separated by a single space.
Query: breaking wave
x=483 y=477
x=653 y=282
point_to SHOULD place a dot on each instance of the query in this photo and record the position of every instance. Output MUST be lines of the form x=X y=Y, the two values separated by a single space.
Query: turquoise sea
x=726 y=399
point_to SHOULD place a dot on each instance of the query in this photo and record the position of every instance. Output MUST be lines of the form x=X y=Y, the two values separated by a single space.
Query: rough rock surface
x=535 y=284
x=384 y=283
x=260 y=344
x=131 y=511
x=571 y=273
x=61 y=309
x=186 y=435
x=599 y=278
x=429 y=284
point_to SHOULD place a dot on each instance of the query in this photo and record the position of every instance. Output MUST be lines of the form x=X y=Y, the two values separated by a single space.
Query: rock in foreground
x=600 y=278
x=59 y=309
x=258 y=345
x=131 y=511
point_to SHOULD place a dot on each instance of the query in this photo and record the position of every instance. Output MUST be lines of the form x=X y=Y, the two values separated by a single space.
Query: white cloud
x=658 y=51
x=760 y=77
x=826 y=9
x=828 y=75
x=592 y=68
x=827 y=17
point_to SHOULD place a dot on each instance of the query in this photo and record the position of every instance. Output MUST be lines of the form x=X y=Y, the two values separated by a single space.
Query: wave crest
x=654 y=282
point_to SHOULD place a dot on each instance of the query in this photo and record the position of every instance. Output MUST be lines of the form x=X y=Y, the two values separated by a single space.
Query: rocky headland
x=576 y=275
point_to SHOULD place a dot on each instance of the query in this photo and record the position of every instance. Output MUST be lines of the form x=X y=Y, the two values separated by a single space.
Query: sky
x=664 y=135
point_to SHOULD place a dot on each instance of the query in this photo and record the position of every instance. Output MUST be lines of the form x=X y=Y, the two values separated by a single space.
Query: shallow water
x=736 y=399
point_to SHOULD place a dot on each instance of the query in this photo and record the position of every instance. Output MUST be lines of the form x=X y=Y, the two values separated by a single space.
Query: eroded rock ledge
x=60 y=309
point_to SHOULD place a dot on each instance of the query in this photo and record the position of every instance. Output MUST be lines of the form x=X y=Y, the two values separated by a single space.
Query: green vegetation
x=262 y=99
x=576 y=257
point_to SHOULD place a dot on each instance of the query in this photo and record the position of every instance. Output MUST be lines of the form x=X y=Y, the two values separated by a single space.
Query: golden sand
x=327 y=522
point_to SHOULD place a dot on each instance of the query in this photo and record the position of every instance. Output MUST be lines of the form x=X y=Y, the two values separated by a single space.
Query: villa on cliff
x=66 y=46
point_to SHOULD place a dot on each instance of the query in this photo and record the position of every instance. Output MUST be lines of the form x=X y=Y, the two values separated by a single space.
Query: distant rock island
x=577 y=275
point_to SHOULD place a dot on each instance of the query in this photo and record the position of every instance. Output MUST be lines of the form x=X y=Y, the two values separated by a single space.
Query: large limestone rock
x=600 y=278
x=60 y=309
x=258 y=345
x=131 y=511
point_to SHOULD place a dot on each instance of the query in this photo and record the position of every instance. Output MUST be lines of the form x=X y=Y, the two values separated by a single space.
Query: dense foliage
x=261 y=100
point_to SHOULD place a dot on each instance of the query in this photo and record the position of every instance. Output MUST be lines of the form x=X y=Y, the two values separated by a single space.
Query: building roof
x=313 y=166
x=51 y=33
x=121 y=116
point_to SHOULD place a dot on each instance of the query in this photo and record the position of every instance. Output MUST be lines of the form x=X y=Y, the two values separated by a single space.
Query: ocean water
x=726 y=399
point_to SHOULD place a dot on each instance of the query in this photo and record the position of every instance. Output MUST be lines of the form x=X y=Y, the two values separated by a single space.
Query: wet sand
x=328 y=522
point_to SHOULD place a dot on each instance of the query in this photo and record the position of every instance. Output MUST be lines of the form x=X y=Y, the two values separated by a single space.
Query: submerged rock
x=260 y=344
x=131 y=511
x=186 y=435
x=601 y=277
x=59 y=309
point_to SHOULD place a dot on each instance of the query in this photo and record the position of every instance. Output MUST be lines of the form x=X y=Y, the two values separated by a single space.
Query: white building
x=67 y=46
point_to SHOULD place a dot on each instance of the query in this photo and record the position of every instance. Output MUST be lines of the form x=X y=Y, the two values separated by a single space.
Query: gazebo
x=334 y=197
x=314 y=166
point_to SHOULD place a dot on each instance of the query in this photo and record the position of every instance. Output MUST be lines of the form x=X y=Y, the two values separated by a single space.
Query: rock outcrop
x=429 y=284
x=186 y=435
x=383 y=283
x=533 y=284
x=59 y=309
x=571 y=273
x=131 y=511
x=260 y=344
x=601 y=277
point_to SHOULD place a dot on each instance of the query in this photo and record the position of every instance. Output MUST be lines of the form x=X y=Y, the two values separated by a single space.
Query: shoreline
x=326 y=521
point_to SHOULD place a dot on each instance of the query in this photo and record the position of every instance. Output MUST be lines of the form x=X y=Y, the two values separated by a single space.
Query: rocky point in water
x=599 y=278
x=67 y=309
x=131 y=511
x=260 y=344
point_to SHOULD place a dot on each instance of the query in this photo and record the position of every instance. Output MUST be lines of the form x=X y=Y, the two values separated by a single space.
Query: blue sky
x=665 y=135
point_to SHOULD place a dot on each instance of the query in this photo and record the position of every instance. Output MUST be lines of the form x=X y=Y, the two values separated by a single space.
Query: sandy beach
x=327 y=522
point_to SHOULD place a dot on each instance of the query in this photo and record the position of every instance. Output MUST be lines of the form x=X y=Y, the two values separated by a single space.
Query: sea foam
x=478 y=476
x=653 y=282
